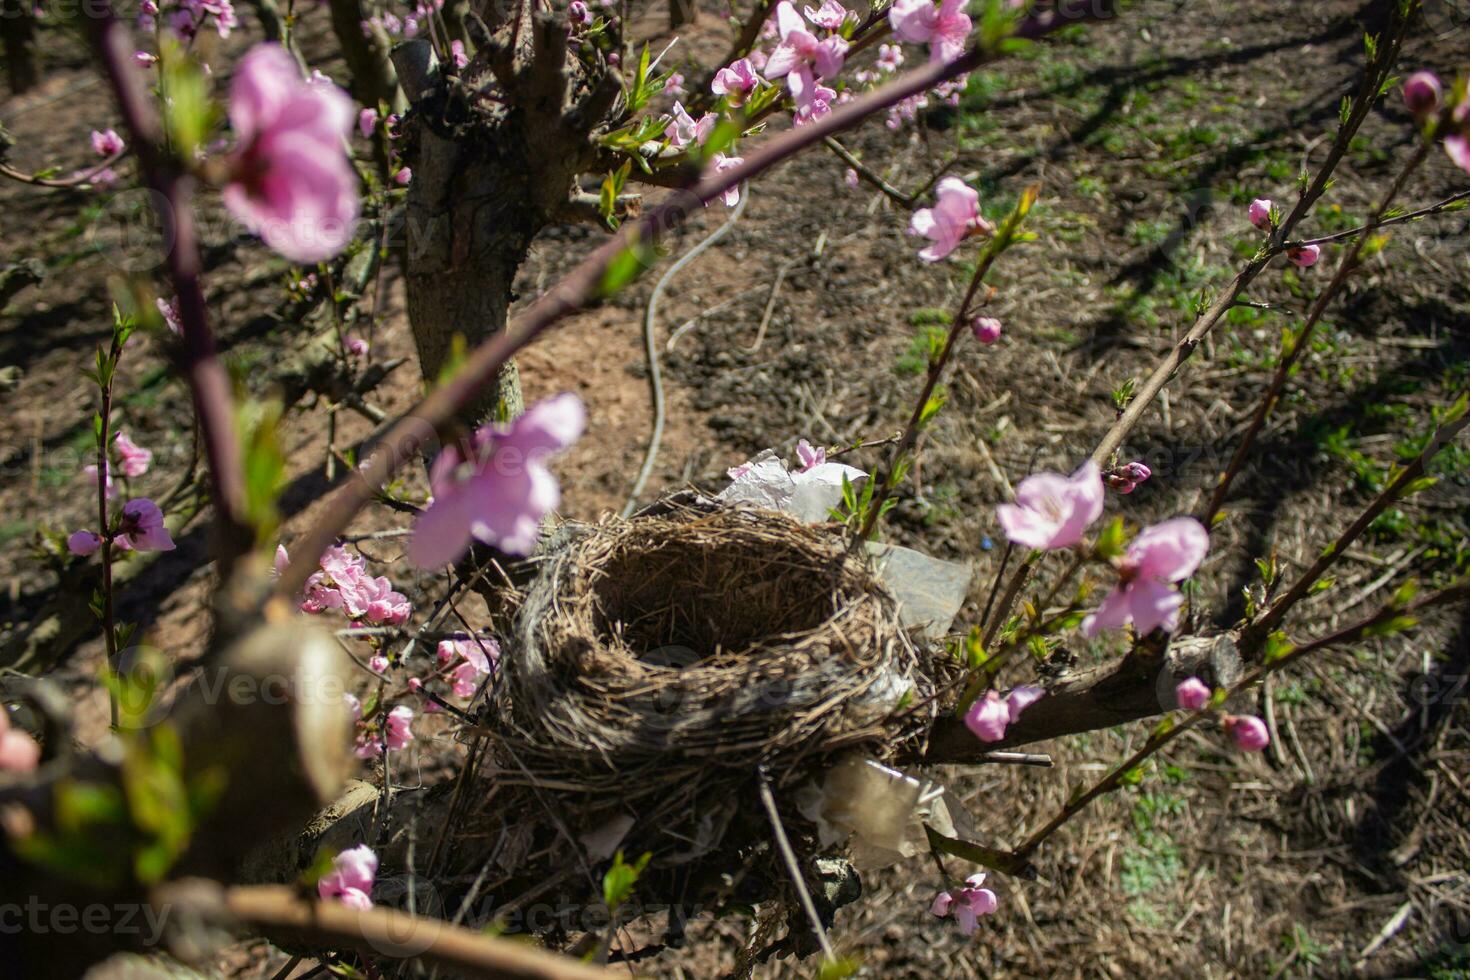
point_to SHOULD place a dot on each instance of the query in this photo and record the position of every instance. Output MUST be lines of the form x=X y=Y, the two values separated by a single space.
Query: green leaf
x=1110 y=542
x=1277 y=646
x=626 y=266
x=618 y=883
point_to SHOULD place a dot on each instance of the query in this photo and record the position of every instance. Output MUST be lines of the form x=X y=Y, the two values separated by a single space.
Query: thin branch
x=1257 y=632
x=1374 y=76
x=1282 y=374
x=793 y=867
x=75 y=180
x=279 y=912
x=199 y=362
x=868 y=173
x=1448 y=204
x=1163 y=735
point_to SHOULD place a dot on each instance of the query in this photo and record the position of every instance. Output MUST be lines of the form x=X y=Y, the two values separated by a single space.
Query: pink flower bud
x=1422 y=94
x=1121 y=483
x=378 y=664
x=1192 y=694
x=1304 y=257
x=1247 y=732
x=367 y=121
x=83 y=543
x=403 y=177
x=1137 y=471
x=1260 y=213
x=850 y=178
x=986 y=329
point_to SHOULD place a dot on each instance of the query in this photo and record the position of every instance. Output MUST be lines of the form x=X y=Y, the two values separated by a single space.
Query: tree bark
x=365 y=49
x=1141 y=685
x=486 y=179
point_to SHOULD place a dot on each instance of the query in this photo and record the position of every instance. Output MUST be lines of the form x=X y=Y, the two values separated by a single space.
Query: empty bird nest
x=703 y=640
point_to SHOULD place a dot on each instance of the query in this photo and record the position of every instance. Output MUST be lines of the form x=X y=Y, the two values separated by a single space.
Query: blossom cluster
x=344 y=584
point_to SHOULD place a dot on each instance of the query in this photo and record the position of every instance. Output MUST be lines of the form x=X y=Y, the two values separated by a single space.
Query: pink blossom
x=378 y=664
x=169 y=310
x=461 y=59
x=351 y=879
x=1248 y=732
x=674 y=85
x=90 y=471
x=850 y=178
x=730 y=196
x=944 y=28
x=356 y=346
x=684 y=130
x=809 y=456
x=107 y=143
x=816 y=107
x=986 y=329
x=465 y=680
x=343 y=583
x=1192 y=694
x=1304 y=257
x=890 y=56
x=967 y=903
x=142 y=528
x=1145 y=596
x=955 y=215
x=133 y=459
x=1457 y=143
x=1422 y=94
x=989 y=716
x=830 y=15
x=1053 y=511
x=498 y=491
x=367 y=121
x=18 y=751
x=801 y=57
x=736 y=82
x=1260 y=213
x=83 y=542
x=403 y=176
x=476 y=657
x=399 y=734
x=372 y=740
x=293 y=184
x=144 y=60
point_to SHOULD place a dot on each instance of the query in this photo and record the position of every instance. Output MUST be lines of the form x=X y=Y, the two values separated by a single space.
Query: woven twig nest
x=688 y=646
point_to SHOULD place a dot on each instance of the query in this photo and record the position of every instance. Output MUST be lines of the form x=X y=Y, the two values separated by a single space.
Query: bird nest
x=693 y=645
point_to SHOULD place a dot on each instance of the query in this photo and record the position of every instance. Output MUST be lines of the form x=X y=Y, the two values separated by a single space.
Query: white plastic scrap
x=765 y=481
x=883 y=810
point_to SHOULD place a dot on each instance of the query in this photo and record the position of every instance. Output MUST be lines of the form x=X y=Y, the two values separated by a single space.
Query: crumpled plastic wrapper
x=764 y=481
x=883 y=810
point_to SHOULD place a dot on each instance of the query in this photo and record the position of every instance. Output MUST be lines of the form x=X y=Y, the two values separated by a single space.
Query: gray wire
x=650 y=350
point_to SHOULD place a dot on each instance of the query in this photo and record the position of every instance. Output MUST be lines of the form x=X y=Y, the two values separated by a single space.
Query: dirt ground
x=1344 y=848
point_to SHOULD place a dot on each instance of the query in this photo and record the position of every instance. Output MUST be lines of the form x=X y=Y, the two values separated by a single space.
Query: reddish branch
x=279 y=912
x=584 y=282
x=209 y=384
